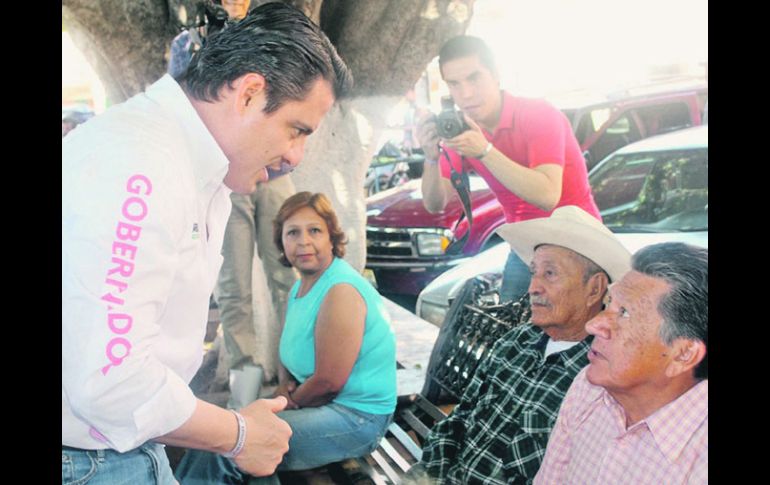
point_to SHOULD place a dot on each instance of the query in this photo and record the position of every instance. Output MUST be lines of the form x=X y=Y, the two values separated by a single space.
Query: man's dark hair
x=685 y=307
x=277 y=41
x=465 y=46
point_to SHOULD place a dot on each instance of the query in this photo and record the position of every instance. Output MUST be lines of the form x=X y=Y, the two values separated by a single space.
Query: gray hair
x=590 y=268
x=277 y=41
x=685 y=307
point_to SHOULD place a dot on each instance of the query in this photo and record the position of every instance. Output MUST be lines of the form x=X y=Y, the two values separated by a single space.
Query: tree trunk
x=125 y=42
x=386 y=43
x=336 y=161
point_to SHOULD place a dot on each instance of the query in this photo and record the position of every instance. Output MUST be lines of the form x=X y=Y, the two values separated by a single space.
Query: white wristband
x=241 y=437
x=486 y=151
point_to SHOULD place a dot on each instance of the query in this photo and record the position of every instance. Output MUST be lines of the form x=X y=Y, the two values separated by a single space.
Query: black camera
x=450 y=122
x=216 y=17
x=210 y=18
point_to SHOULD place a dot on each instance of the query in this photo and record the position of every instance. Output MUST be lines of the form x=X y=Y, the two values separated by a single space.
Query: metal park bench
x=399 y=449
x=474 y=322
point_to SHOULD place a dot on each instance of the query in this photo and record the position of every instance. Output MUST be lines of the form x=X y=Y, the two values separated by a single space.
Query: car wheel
x=380 y=184
x=398 y=178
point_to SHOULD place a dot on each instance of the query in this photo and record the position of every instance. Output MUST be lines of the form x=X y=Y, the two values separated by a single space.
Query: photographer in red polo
x=523 y=148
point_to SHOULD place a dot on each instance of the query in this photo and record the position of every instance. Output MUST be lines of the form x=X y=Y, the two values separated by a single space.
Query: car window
x=590 y=123
x=663 y=118
x=570 y=114
x=656 y=191
x=619 y=181
x=620 y=133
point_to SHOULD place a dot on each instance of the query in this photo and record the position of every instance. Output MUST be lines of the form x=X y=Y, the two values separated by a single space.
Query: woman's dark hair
x=323 y=207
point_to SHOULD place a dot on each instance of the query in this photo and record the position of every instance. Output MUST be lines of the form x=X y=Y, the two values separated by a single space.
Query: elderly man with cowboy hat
x=499 y=431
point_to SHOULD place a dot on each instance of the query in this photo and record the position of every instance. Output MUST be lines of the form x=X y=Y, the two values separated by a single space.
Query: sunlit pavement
x=414 y=342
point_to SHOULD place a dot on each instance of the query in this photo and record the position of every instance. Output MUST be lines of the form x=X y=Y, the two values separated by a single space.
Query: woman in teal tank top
x=337 y=350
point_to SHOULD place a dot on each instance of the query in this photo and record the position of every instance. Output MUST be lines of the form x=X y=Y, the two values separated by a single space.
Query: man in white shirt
x=145 y=200
x=251 y=356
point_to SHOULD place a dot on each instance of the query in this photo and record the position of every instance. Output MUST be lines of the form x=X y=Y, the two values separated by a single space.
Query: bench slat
x=430 y=408
x=415 y=423
x=406 y=441
x=395 y=455
x=389 y=471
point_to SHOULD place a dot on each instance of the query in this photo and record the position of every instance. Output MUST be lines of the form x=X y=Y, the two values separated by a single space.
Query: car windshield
x=661 y=191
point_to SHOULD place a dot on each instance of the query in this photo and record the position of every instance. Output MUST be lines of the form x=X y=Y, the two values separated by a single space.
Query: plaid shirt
x=499 y=431
x=591 y=445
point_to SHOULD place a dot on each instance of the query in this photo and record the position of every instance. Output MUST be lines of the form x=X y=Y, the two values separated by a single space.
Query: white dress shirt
x=144 y=211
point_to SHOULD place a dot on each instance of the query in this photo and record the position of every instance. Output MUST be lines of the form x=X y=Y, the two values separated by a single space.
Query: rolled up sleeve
x=119 y=254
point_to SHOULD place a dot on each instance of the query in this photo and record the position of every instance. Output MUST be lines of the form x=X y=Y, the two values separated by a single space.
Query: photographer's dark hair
x=464 y=46
x=685 y=308
x=275 y=40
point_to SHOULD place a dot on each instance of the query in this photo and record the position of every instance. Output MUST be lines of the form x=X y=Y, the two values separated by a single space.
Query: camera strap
x=461 y=184
x=197 y=40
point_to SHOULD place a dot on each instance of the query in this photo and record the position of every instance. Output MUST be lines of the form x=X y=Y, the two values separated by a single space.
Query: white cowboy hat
x=573 y=228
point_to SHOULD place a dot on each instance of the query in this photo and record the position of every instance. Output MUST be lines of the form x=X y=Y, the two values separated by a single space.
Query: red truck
x=406 y=244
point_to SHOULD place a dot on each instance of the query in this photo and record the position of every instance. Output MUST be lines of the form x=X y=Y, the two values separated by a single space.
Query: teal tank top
x=371 y=386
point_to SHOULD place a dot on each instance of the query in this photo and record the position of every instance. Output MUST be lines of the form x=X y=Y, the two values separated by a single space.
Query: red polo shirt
x=532 y=132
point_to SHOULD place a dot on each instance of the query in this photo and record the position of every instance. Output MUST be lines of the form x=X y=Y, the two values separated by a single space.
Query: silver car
x=651 y=191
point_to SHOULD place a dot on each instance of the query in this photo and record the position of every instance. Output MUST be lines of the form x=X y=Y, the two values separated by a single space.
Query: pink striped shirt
x=591 y=445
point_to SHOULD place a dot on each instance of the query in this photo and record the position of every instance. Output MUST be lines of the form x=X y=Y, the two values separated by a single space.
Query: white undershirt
x=553 y=347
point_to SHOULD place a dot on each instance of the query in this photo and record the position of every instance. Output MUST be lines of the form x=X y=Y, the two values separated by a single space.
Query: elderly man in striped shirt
x=638 y=414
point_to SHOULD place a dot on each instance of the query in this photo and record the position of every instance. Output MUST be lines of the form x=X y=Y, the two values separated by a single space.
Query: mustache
x=538 y=300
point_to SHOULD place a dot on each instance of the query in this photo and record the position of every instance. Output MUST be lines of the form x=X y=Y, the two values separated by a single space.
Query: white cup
x=244 y=385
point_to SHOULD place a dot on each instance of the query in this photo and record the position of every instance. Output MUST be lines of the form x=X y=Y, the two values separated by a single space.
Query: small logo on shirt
x=195 y=232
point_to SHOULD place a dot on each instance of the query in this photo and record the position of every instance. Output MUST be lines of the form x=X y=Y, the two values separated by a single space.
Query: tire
x=372 y=188
x=398 y=178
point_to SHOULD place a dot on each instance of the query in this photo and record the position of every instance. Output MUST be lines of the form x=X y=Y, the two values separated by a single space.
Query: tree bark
x=386 y=43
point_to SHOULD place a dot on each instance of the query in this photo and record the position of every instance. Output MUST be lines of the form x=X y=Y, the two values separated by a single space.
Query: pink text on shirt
x=124 y=250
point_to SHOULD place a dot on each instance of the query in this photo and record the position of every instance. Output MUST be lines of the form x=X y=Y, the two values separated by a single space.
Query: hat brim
x=603 y=248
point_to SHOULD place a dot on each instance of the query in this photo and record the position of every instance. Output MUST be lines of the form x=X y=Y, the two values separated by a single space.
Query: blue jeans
x=320 y=436
x=516 y=278
x=147 y=464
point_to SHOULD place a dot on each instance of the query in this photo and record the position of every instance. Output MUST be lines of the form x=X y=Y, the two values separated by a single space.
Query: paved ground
x=414 y=342
x=409 y=302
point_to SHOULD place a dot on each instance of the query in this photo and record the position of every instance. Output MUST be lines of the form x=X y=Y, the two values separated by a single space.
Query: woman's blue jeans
x=320 y=436
x=146 y=465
